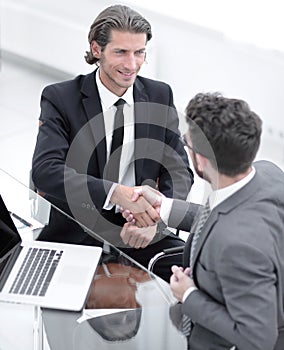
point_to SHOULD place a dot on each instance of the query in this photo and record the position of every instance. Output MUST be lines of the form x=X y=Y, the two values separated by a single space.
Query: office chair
x=168 y=253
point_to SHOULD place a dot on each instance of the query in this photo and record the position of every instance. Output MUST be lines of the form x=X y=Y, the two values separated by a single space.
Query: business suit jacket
x=239 y=268
x=70 y=153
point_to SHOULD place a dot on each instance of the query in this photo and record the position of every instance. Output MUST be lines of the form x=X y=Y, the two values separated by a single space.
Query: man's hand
x=144 y=213
x=180 y=281
x=152 y=196
x=137 y=237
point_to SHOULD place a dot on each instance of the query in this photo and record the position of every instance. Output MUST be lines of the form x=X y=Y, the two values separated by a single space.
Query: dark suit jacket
x=70 y=153
x=239 y=268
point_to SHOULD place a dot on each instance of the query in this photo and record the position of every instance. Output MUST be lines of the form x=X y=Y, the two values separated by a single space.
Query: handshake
x=140 y=204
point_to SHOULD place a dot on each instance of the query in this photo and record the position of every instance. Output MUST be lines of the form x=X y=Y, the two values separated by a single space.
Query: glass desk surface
x=127 y=307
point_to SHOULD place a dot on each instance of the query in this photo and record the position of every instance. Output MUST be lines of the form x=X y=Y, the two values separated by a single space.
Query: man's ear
x=96 y=49
x=145 y=57
x=201 y=162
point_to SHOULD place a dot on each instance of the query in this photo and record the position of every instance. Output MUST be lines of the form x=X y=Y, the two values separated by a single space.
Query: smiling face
x=121 y=60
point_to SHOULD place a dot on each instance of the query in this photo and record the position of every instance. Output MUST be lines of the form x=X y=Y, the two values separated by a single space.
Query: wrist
x=187 y=293
x=116 y=195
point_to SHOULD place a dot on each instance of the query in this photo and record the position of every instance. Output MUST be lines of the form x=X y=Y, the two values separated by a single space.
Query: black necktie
x=112 y=172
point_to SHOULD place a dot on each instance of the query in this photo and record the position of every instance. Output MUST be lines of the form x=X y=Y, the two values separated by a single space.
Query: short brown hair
x=230 y=127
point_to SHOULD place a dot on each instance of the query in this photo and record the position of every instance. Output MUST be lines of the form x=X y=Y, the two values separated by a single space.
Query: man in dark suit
x=231 y=287
x=72 y=162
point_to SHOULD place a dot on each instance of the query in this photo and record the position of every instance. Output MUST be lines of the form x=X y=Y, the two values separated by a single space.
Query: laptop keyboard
x=36 y=272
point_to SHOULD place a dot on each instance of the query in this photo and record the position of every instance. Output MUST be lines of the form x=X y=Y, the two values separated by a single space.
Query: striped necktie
x=186 y=321
x=201 y=221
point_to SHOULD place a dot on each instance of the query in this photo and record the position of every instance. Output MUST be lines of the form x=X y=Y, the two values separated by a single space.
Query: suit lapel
x=93 y=109
x=141 y=118
x=187 y=249
x=204 y=234
x=224 y=208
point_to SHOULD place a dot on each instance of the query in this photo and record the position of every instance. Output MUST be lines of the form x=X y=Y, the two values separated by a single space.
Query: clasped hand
x=139 y=204
x=180 y=281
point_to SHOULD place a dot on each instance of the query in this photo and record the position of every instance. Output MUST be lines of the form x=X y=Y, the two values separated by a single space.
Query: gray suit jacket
x=239 y=268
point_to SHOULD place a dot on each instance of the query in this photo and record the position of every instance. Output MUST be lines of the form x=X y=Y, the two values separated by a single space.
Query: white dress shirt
x=108 y=99
x=215 y=197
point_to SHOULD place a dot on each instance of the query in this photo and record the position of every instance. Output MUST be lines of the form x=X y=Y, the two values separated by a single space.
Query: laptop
x=51 y=275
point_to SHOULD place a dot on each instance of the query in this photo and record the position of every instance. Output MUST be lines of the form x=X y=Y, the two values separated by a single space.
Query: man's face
x=121 y=60
x=188 y=143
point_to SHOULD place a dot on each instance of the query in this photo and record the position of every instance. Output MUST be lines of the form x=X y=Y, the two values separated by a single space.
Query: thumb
x=187 y=271
x=137 y=192
x=153 y=196
x=177 y=272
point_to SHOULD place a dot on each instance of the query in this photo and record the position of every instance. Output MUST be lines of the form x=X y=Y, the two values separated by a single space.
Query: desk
x=134 y=304
x=142 y=322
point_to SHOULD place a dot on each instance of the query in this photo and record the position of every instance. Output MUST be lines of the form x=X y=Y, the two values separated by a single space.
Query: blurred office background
x=234 y=47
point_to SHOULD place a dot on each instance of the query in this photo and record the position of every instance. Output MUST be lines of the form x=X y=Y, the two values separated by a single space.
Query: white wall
x=190 y=58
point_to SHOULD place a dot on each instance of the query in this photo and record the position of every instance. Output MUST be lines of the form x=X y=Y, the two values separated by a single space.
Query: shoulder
x=147 y=82
x=154 y=91
x=71 y=86
x=271 y=180
x=265 y=167
x=153 y=86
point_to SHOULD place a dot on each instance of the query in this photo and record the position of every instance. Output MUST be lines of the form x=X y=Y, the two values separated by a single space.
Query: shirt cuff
x=108 y=205
x=166 y=208
x=188 y=292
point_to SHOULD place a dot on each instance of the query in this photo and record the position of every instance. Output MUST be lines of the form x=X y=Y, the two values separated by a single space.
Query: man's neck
x=222 y=181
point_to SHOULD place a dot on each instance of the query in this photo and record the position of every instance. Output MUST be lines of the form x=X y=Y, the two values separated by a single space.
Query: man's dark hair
x=231 y=129
x=116 y=17
x=118 y=326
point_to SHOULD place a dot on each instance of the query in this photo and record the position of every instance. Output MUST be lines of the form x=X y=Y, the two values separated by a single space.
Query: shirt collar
x=108 y=98
x=218 y=196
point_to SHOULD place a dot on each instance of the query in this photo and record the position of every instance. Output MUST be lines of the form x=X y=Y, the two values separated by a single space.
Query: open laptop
x=51 y=275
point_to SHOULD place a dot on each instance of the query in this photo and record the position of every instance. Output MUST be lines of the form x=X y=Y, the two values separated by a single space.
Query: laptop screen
x=9 y=236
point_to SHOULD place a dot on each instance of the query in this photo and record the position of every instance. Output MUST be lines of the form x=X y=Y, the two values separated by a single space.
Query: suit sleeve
x=51 y=172
x=182 y=214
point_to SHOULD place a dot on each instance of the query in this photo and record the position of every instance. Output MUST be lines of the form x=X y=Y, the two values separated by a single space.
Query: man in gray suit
x=234 y=293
